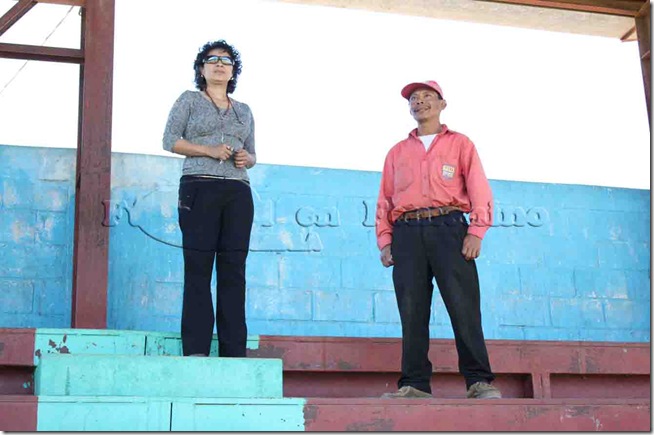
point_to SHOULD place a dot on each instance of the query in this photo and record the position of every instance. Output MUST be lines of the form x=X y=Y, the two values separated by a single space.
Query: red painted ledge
x=18 y=413
x=467 y=415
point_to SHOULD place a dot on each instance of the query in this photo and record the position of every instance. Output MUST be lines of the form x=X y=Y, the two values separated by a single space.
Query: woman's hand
x=243 y=159
x=221 y=152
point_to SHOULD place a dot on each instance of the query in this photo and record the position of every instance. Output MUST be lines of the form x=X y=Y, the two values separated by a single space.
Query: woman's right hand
x=221 y=152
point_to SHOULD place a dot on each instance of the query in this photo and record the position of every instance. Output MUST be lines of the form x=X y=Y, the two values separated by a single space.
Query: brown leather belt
x=427 y=213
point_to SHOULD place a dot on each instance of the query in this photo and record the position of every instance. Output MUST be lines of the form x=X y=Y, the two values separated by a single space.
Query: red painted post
x=93 y=178
x=644 y=29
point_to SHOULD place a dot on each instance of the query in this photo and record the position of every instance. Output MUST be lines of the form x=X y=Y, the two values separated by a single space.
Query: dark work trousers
x=215 y=217
x=423 y=250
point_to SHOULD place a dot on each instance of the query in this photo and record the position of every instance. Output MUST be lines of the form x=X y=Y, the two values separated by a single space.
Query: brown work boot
x=406 y=392
x=483 y=390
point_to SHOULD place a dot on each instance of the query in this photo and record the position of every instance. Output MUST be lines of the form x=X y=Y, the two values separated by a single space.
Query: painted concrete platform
x=365 y=367
x=69 y=413
x=155 y=376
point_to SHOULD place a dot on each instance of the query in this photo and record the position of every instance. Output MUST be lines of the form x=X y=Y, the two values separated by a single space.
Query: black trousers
x=215 y=217
x=427 y=249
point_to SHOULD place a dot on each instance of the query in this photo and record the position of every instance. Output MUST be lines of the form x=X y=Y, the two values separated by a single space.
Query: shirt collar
x=414 y=132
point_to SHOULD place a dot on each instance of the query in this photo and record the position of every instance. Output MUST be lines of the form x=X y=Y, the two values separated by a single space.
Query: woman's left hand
x=242 y=158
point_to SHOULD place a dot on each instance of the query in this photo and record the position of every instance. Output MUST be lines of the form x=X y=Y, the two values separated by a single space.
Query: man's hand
x=471 y=247
x=243 y=159
x=386 y=257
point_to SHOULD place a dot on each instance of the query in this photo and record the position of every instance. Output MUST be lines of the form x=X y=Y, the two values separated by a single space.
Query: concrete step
x=154 y=376
x=115 y=342
x=70 y=413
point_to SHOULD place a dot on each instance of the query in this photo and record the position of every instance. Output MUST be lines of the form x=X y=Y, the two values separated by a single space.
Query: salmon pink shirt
x=449 y=173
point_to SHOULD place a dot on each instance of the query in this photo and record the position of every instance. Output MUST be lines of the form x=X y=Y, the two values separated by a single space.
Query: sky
x=324 y=86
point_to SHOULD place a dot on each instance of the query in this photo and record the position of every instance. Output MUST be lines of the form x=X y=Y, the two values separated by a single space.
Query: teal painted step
x=165 y=414
x=242 y=415
x=152 y=376
x=103 y=414
x=114 y=342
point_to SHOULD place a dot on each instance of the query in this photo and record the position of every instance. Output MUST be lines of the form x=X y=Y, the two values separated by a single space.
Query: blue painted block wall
x=563 y=262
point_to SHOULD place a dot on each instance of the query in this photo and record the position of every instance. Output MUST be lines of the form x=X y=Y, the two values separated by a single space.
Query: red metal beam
x=643 y=29
x=93 y=178
x=80 y=3
x=14 y=14
x=37 y=52
x=625 y=8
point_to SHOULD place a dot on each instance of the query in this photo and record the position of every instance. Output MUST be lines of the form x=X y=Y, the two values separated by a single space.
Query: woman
x=216 y=134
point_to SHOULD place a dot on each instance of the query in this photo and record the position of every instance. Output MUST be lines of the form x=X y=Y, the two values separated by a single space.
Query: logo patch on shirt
x=448 y=171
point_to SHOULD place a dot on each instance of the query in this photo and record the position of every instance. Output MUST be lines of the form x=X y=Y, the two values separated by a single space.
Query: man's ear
x=443 y=104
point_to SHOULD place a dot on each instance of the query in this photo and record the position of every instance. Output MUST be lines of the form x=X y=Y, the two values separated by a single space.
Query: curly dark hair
x=200 y=81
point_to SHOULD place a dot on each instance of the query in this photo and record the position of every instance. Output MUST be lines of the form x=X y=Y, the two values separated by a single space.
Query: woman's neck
x=217 y=92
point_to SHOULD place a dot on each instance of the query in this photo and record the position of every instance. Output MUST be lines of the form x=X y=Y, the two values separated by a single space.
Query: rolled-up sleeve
x=177 y=121
x=383 y=224
x=479 y=190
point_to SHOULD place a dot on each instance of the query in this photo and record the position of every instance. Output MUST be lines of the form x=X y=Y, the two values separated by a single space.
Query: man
x=429 y=180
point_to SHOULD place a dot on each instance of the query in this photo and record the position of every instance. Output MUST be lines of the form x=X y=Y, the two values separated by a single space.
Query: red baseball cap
x=431 y=84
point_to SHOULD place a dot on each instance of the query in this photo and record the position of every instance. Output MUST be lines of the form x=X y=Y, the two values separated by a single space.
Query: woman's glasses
x=225 y=60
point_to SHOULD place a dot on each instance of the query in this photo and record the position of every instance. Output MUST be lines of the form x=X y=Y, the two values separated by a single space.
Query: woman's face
x=217 y=72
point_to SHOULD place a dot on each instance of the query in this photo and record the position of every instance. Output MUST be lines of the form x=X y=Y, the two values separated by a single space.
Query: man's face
x=425 y=104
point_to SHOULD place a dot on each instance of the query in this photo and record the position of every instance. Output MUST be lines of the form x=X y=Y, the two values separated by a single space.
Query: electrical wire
x=42 y=43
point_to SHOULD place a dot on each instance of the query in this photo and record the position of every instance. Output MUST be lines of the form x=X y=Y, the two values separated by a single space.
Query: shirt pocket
x=446 y=170
x=403 y=177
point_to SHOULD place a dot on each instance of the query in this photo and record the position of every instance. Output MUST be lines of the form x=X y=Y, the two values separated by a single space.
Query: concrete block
x=385 y=308
x=576 y=313
x=168 y=299
x=628 y=200
x=51 y=295
x=551 y=334
x=52 y=196
x=262 y=269
x=498 y=279
x=57 y=165
x=17 y=193
x=16 y=296
x=638 y=284
x=307 y=210
x=623 y=255
x=524 y=311
x=375 y=277
x=17 y=226
x=570 y=253
x=123 y=375
x=626 y=314
x=309 y=271
x=343 y=306
x=53 y=228
x=552 y=281
x=275 y=303
x=601 y=283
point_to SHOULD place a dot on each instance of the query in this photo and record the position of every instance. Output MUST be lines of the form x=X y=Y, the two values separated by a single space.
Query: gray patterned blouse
x=194 y=118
